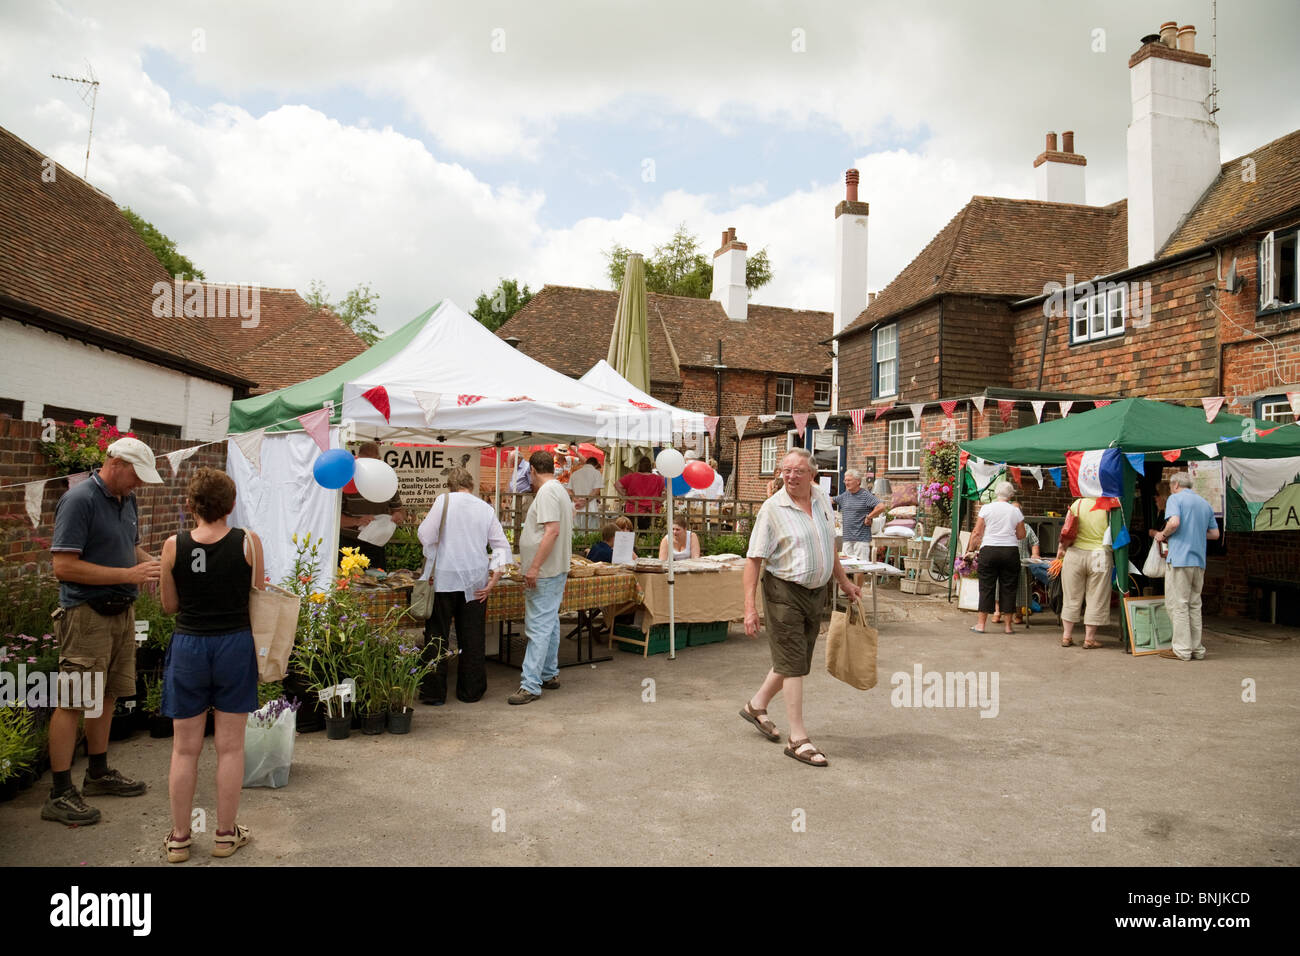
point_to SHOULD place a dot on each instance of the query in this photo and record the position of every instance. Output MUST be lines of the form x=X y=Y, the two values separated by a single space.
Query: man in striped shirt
x=795 y=534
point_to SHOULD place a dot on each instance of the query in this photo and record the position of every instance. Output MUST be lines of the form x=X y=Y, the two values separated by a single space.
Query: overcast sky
x=430 y=149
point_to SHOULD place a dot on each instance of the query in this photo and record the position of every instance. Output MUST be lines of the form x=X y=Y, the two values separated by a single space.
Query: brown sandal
x=1067 y=642
x=793 y=751
x=760 y=720
x=1091 y=646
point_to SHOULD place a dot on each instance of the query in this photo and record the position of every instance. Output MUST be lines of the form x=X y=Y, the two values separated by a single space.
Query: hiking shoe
x=552 y=684
x=69 y=808
x=522 y=696
x=112 y=784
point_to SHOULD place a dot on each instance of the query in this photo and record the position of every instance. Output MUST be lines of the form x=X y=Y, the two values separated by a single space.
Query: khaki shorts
x=90 y=643
x=794 y=618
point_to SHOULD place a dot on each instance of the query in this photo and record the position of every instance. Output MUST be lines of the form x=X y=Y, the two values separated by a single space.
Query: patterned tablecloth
x=506 y=602
x=377 y=602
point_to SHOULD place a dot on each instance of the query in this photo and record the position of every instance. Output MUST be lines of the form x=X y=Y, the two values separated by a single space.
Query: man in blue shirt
x=1191 y=523
x=858 y=508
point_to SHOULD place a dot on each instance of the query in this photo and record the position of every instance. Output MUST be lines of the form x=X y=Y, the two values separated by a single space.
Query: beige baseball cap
x=139 y=455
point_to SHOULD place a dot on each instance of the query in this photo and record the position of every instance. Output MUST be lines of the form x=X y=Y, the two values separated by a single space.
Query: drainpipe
x=1042 y=361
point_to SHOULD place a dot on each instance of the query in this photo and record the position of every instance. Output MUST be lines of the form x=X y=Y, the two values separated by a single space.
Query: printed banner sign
x=422 y=471
x=1262 y=494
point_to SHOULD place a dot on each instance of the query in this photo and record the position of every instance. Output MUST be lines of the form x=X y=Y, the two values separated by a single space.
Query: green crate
x=658 y=638
x=714 y=632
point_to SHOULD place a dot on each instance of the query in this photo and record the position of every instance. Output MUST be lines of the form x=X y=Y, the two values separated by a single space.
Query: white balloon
x=669 y=462
x=375 y=480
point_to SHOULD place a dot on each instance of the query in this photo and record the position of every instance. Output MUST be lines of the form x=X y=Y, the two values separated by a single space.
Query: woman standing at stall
x=1085 y=571
x=996 y=538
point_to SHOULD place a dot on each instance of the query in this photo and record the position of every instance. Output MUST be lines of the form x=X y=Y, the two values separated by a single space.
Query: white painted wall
x=1060 y=182
x=850 y=284
x=729 y=284
x=42 y=368
x=1173 y=150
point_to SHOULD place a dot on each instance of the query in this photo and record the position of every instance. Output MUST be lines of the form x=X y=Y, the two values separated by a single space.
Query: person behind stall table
x=565 y=463
x=603 y=550
x=795 y=533
x=644 y=485
x=996 y=538
x=585 y=485
x=100 y=565
x=545 y=547
x=685 y=544
x=1191 y=523
x=358 y=512
x=207 y=574
x=1085 y=572
x=1028 y=550
x=858 y=508
x=464 y=575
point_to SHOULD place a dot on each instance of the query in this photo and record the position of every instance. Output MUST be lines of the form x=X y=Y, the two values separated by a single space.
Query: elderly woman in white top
x=464 y=575
x=997 y=537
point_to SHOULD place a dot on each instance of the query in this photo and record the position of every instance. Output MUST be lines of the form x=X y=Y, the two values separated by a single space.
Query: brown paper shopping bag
x=273 y=614
x=851 y=647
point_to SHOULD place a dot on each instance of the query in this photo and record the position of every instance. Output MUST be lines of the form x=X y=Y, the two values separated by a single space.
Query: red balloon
x=351 y=488
x=698 y=474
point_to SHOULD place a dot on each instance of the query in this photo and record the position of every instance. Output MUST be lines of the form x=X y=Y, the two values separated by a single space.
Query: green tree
x=164 y=249
x=353 y=309
x=493 y=309
x=679 y=268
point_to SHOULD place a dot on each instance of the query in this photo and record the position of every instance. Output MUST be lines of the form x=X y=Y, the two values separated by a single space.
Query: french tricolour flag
x=1096 y=474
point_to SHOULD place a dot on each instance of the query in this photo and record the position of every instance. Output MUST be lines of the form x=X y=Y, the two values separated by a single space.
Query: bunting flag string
x=428 y=402
x=250 y=443
x=711 y=423
x=948 y=408
x=1038 y=410
x=800 y=422
x=741 y=422
x=1004 y=410
x=1065 y=408
x=978 y=402
x=174 y=458
x=34 y=494
x=857 y=415
x=822 y=419
x=317 y=425
x=1212 y=406
x=378 y=397
x=917 y=408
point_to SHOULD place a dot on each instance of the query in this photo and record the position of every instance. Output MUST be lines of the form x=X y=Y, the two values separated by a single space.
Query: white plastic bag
x=268 y=751
x=1154 y=565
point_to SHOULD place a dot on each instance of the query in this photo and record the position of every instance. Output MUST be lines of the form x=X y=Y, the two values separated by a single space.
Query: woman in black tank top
x=211 y=662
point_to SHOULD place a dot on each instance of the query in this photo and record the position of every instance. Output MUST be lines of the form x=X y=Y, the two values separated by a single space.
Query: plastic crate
x=658 y=638
x=714 y=632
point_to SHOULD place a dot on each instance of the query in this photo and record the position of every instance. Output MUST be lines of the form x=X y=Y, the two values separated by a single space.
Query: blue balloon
x=334 y=468
x=680 y=487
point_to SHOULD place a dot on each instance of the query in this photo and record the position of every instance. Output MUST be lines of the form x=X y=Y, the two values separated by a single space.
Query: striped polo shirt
x=798 y=548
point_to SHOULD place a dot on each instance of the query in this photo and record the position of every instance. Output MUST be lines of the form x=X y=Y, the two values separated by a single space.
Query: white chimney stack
x=729 y=277
x=1173 y=141
x=1058 y=173
x=850 y=269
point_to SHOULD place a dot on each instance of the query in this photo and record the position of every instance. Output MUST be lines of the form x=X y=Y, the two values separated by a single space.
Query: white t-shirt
x=550 y=504
x=586 y=481
x=1000 y=520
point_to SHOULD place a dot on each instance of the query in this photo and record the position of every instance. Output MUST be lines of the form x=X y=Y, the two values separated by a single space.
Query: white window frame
x=904 y=445
x=1275 y=409
x=821 y=392
x=1099 y=316
x=890 y=362
x=784 y=399
x=767 y=455
x=1116 y=309
x=1079 y=321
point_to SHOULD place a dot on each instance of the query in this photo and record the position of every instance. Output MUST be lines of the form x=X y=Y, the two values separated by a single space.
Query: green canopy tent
x=1133 y=425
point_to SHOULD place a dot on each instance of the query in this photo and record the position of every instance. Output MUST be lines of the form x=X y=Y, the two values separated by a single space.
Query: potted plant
x=150 y=655
x=80 y=446
x=406 y=671
x=160 y=727
x=373 y=654
x=18 y=747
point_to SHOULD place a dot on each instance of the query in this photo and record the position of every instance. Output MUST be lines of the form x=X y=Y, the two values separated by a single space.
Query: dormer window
x=1099 y=315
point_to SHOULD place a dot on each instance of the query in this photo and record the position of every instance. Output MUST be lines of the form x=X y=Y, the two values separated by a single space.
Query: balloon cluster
x=683 y=474
x=373 y=479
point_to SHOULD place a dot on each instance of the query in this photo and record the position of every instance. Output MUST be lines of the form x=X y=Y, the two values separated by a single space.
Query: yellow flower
x=295 y=537
x=317 y=598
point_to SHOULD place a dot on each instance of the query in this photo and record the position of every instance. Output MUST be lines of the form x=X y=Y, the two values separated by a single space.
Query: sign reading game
x=422 y=470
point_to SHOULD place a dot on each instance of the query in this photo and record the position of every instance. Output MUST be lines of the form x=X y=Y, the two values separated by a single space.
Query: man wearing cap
x=100 y=566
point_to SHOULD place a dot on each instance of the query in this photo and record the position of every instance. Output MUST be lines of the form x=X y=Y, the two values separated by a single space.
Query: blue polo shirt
x=104 y=529
x=853 y=508
x=1195 y=518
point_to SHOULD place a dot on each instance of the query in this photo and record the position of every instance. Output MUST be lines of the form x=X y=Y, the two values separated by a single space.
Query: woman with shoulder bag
x=996 y=539
x=207 y=575
x=1085 y=571
x=457 y=533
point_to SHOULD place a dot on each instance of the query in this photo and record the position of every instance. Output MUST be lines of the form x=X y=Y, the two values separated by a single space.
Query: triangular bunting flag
x=1212 y=406
x=1267 y=431
x=764 y=419
x=1065 y=408
x=317 y=425
x=174 y=458
x=1038 y=410
x=1038 y=476
x=857 y=415
x=468 y=399
x=378 y=397
x=1105 y=504
x=428 y=402
x=711 y=423
x=1014 y=472
x=34 y=494
x=644 y=406
x=962 y=458
x=1101 y=403
x=800 y=421
x=879 y=411
x=948 y=408
x=1137 y=461
x=978 y=402
x=250 y=443
x=822 y=419
x=1209 y=451
x=1004 y=410
x=1171 y=455
x=741 y=422
x=78 y=478
x=1294 y=399
x=1056 y=475
x=917 y=408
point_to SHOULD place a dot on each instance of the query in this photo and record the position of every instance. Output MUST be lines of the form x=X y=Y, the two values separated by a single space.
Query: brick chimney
x=1173 y=141
x=1058 y=173
x=850 y=268
x=729 y=277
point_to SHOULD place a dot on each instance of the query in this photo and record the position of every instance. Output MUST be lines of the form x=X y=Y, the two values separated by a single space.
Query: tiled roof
x=292 y=342
x=69 y=259
x=1244 y=196
x=568 y=329
x=1007 y=247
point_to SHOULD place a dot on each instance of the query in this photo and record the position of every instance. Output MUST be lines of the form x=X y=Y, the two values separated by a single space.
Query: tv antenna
x=1214 y=57
x=89 y=94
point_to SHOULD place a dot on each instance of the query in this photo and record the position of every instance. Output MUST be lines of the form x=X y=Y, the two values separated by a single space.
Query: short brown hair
x=211 y=494
x=459 y=479
x=623 y=523
x=542 y=462
x=608 y=530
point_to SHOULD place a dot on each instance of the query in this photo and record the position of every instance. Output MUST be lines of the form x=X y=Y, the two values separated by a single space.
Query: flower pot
x=8 y=789
x=338 y=728
x=372 y=724
x=399 y=721
x=311 y=715
x=123 y=726
x=160 y=726
x=26 y=778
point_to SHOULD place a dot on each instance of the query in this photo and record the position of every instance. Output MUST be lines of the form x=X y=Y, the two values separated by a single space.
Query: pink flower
x=79 y=423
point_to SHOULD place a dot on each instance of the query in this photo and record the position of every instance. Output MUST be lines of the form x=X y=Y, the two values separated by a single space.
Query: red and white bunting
x=378 y=397
x=428 y=402
x=948 y=408
x=800 y=421
x=1294 y=399
x=34 y=494
x=741 y=421
x=1101 y=403
x=1172 y=455
x=917 y=408
x=1005 y=407
x=978 y=402
x=644 y=406
x=1212 y=406
x=822 y=418
x=1065 y=408
x=1038 y=411
x=174 y=458
x=468 y=399
x=1014 y=472
x=857 y=415
x=317 y=425
x=711 y=423
x=879 y=411
x=250 y=443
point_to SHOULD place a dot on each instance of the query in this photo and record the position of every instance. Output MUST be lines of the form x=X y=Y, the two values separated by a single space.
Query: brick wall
x=977 y=342
x=918 y=362
x=161 y=506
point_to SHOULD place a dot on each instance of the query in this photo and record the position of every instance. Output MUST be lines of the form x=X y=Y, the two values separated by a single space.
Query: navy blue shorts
x=210 y=670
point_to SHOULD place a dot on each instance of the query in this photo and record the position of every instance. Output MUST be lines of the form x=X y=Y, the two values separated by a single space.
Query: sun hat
x=139 y=455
